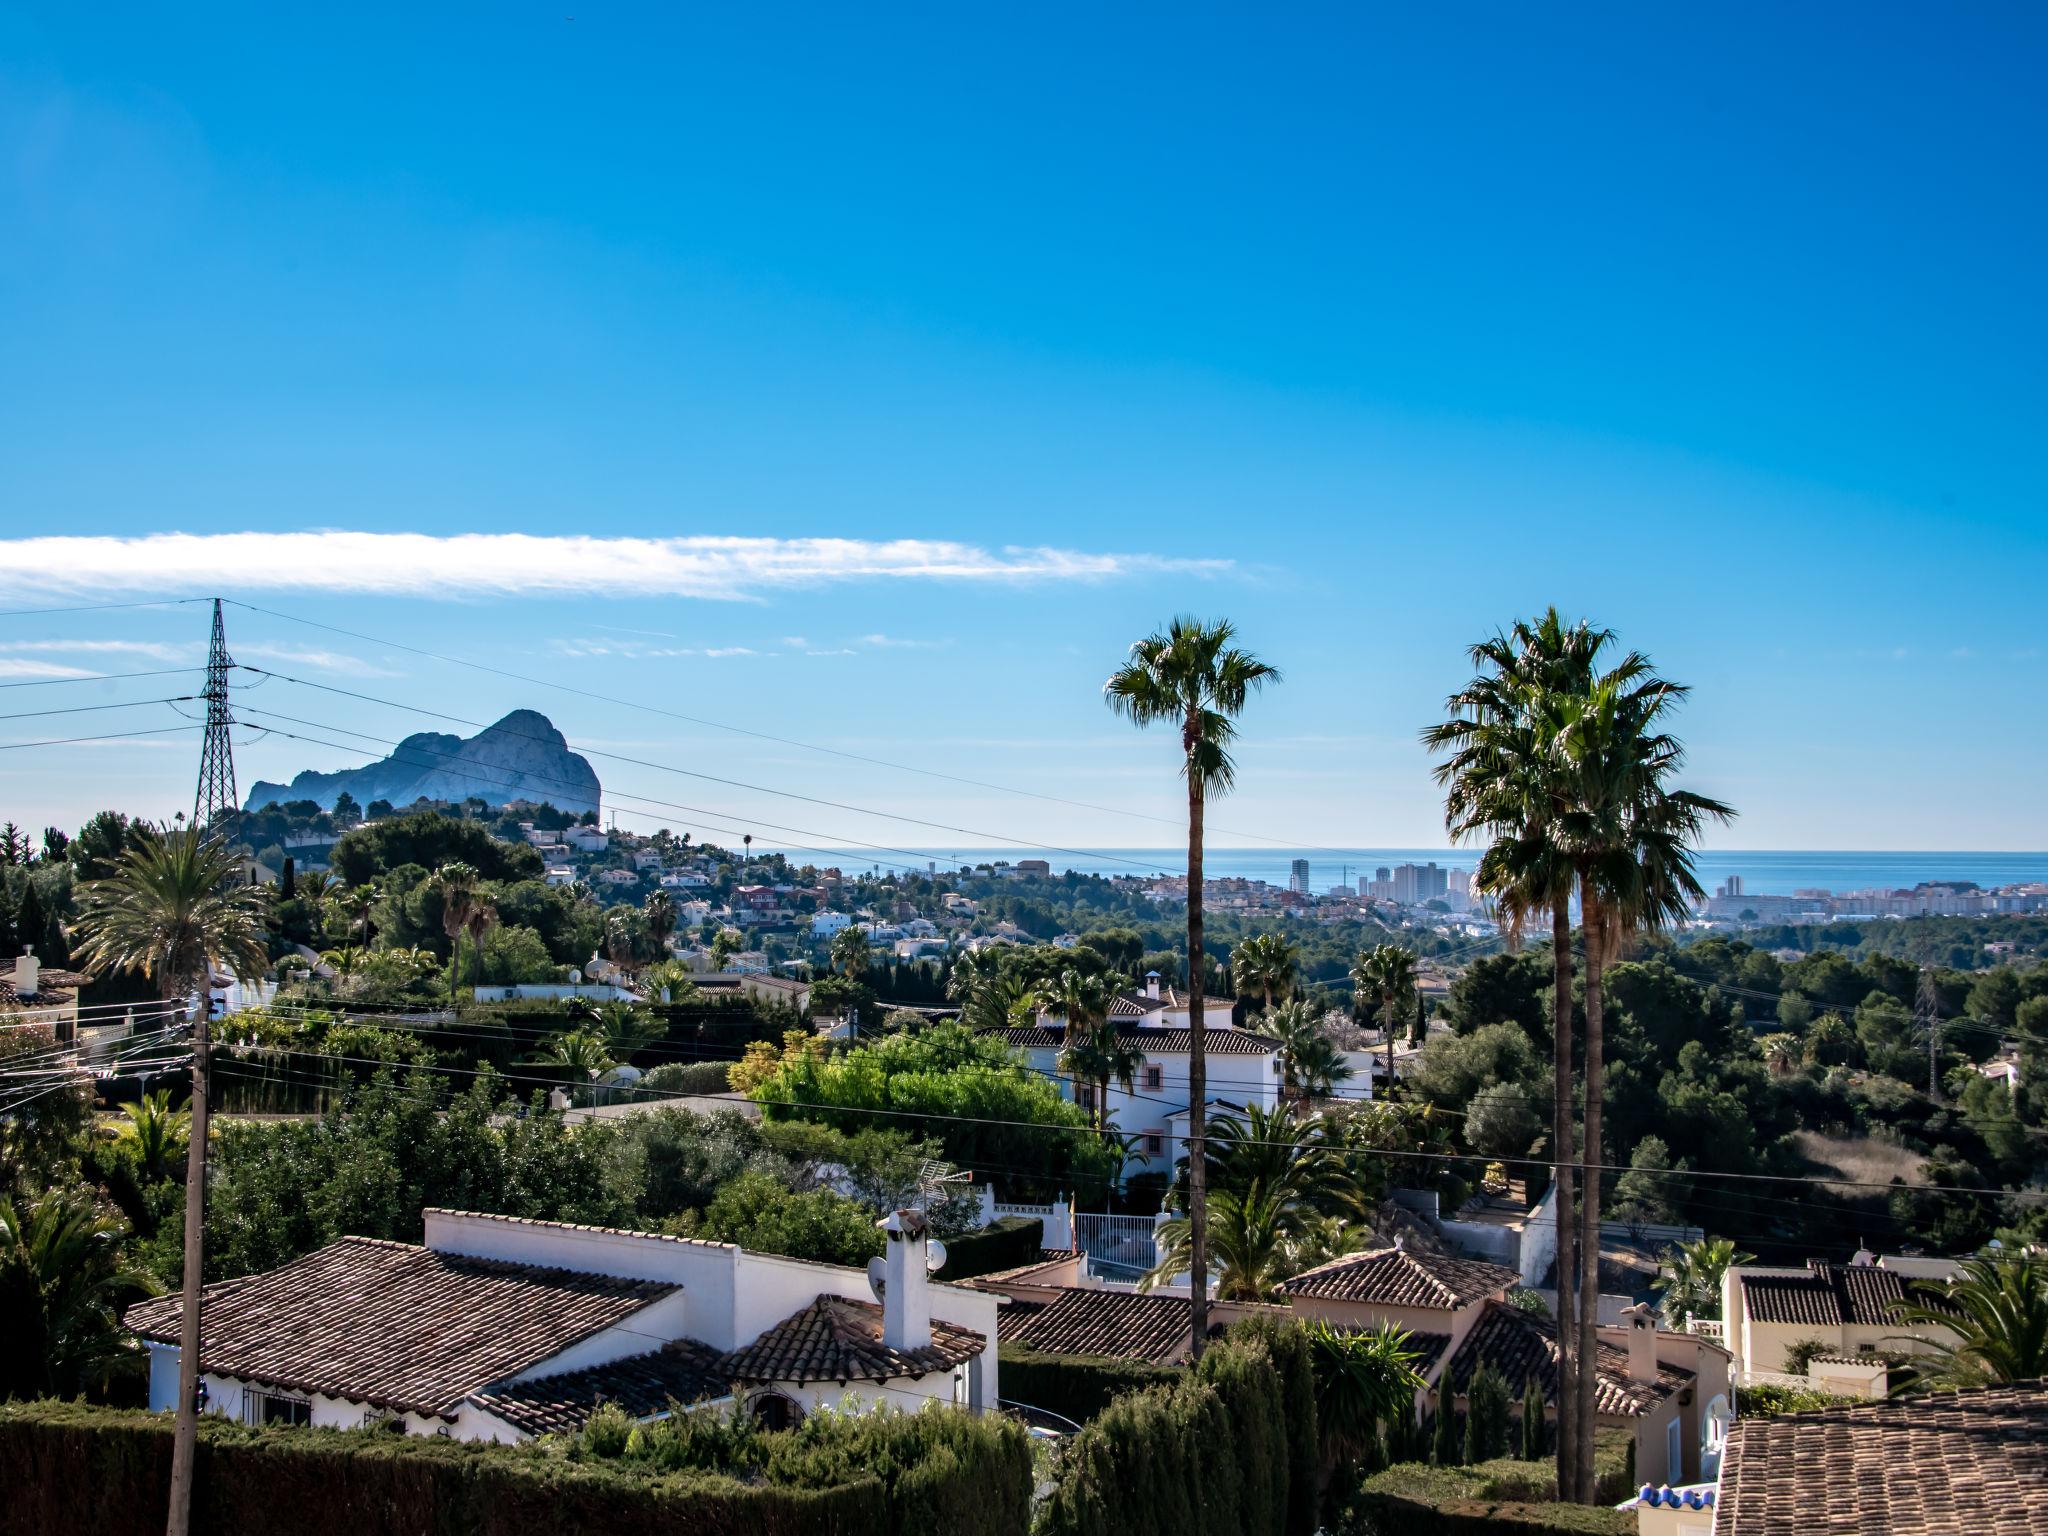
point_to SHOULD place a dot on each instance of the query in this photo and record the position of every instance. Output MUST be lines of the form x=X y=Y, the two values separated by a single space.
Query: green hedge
x=1495 y=1498
x=1011 y=1241
x=65 y=1466
x=1286 y=1345
x=1205 y=1456
x=688 y=1077
x=1076 y=1387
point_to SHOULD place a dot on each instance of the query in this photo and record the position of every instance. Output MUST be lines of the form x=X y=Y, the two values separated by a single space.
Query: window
x=775 y=1410
x=1155 y=1078
x=261 y=1407
x=1084 y=1095
x=1155 y=1143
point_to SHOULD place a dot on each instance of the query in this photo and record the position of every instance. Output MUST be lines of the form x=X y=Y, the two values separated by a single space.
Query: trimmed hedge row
x=1503 y=1497
x=1211 y=1455
x=66 y=1466
x=1076 y=1387
x=1011 y=1241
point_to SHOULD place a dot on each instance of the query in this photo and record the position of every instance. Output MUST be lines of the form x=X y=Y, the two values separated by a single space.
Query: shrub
x=1445 y=1445
x=1535 y=1428
x=1248 y=1390
x=1011 y=1241
x=1076 y=1387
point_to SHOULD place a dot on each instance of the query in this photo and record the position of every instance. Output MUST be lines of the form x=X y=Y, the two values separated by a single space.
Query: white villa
x=501 y=1328
x=1243 y=1067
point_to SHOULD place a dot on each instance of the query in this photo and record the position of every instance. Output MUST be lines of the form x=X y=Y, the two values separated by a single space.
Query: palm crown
x=173 y=906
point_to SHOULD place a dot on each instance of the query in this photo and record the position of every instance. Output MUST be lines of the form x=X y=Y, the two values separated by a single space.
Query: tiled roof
x=1395 y=1277
x=1121 y=1324
x=394 y=1324
x=1973 y=1461
x=1827 y=1296
x=1011 y=1319
x=834 y=1339
x=1518 y=1344
x=683 y=1372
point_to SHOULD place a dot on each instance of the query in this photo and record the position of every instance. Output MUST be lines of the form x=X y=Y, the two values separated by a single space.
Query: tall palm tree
x=624 y=1030
x=1265 y=964
x=1310 y=1065
x=1386 y=973
x=1689 y=1283
x=1195 y=677
x=458 y=884
x=173 y=908
x=1092 y=1052
x=849 y=952
x=1501 y=787
x=1996 y=1311
x=358 y=902
x=61 y=1274
x=660 y=912
x=1629 y=835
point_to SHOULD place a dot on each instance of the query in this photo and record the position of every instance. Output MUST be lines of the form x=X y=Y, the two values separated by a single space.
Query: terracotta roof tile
x=1395 y=1277
x=1973 y=1461
x=394 y=1324
x=834 y=1339
x=683 y=1372
x=1518 y=1344
x=1120 y=1324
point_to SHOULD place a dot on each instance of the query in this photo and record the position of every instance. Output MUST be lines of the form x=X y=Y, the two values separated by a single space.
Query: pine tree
x=1535 y=1442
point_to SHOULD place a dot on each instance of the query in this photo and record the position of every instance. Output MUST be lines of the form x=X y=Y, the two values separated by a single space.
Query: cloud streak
x=516 y=564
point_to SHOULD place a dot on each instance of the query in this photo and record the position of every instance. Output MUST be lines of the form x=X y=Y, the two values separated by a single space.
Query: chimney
x=906 y=1293
x=28 y=975
x=1152 y=984
x=1641 y=1323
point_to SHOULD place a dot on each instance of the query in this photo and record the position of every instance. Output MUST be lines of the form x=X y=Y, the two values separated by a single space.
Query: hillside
x=521 y=757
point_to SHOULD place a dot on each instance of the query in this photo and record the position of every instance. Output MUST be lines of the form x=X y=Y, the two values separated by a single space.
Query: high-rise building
x=1298 y=879
x=1416 y=883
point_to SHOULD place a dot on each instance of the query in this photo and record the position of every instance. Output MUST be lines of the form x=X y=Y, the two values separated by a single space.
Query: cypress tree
x=288 y=879
x=1486 y=1416
x=1446 y=1449
x=31 y=923
x=1535 y=1442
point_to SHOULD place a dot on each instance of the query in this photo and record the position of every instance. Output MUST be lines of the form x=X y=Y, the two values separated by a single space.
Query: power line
x=73 y=741
x=87 y=709
x=158 y=602
x=97 y=677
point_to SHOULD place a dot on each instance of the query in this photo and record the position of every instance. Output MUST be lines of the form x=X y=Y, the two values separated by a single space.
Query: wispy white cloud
x=11 y=666
x=154 y=650
x=796 y=642
x=505 y=564
x=633 y=650
x=898 y=643
x=324 y=661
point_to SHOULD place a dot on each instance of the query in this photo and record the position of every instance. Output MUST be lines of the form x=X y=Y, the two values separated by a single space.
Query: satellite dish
x=878 y=1276
x=934 y=1256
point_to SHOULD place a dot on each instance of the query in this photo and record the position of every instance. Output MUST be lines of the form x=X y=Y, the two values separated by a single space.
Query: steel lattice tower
x=216 y=759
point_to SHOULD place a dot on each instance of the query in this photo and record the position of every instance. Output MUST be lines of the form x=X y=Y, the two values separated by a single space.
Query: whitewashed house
x=1243 y=1067
x=500 y=1328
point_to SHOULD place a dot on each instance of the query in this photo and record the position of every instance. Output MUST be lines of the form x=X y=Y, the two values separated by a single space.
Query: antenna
x=216 y=792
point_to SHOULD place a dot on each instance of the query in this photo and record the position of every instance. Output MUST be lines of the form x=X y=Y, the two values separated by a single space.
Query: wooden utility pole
x=1930 y=1020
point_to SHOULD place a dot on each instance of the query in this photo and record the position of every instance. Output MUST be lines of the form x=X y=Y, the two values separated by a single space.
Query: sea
x=1769 y=871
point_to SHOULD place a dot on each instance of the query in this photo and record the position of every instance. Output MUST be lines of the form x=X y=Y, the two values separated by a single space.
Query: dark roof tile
x=1395 y=1277
x=1518 y=1344
x=682 y=1372
x=834 y=1339
x=1120 y=1324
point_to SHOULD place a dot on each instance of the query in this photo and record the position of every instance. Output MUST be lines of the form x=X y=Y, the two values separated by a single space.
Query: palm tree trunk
x=1567 y=1233
x=185 y=1430
x=1198 y=1081
x=1387 y=1023
x=1590 y=917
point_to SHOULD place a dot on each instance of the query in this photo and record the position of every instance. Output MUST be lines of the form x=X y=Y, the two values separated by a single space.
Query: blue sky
x=1370 y=330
